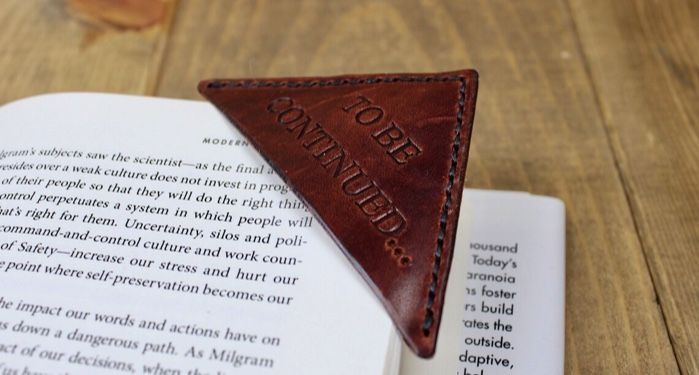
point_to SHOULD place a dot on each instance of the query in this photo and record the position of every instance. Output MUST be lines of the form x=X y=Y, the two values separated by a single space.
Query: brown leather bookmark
x=380 y=159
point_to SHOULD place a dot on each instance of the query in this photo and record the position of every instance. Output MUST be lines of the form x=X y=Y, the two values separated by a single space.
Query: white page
x=535 y=226
x=312 y=314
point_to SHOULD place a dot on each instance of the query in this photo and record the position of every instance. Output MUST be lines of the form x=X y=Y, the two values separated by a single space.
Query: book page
x=143 y=235
x=504 y=310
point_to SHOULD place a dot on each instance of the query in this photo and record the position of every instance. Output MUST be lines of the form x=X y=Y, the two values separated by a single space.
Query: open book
x=143 y=235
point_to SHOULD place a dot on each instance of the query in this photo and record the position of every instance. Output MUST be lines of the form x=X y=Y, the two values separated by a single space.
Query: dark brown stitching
x=432 y=292
x=219 y=84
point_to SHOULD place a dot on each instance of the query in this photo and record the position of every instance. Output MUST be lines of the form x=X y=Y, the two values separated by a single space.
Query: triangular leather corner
x=380 y=160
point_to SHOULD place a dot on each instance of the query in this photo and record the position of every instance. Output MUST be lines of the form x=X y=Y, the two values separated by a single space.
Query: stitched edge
x=220 y=84
x=432 y=293
x=456 y=144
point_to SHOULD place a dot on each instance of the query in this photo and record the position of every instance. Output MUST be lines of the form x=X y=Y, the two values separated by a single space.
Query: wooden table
x=592 y=101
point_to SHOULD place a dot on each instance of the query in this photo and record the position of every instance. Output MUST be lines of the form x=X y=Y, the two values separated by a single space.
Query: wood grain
x=538 y=128
x=646 y=72
x=47 y=46
x=591 y=101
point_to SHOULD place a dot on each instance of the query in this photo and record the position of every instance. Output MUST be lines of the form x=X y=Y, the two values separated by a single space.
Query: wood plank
x=643 y=58
x=48 y=46
x=538 y=128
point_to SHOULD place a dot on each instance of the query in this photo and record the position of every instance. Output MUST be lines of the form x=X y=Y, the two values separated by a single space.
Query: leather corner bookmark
x=380 y=159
